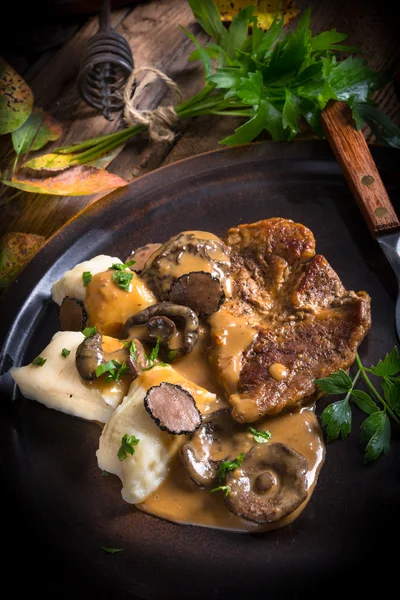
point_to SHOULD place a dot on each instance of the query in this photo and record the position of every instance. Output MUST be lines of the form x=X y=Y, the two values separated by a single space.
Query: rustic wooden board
x=152 y=29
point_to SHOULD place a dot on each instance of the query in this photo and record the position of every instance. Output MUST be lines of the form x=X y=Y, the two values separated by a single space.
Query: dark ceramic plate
x=63 y=511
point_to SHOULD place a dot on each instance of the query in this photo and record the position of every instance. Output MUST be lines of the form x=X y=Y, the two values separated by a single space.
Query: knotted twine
x=159 y=121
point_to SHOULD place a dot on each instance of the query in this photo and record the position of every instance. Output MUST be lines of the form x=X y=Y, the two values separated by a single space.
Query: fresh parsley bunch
x=280 y=80
x=382 y=407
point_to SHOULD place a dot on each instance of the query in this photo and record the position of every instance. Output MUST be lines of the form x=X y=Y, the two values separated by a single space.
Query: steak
x=303 y=323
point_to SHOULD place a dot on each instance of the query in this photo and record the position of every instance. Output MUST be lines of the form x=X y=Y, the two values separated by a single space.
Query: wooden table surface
x=152 y=30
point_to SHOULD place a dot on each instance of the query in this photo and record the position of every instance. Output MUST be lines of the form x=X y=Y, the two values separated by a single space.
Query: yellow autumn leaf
x=266 y=11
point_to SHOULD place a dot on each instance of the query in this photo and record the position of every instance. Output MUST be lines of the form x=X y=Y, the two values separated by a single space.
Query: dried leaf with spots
x=38 y=129
x=76 y=181
x=16 y=249
x=266 y=11
x=59 y=162
x=16 y=99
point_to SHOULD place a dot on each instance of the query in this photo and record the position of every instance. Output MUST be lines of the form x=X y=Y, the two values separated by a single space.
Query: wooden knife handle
x=359 y=168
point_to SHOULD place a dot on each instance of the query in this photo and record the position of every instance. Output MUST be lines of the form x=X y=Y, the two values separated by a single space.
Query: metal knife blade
x=390 y=245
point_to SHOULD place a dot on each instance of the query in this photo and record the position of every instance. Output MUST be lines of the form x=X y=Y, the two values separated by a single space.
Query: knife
x=359 y=168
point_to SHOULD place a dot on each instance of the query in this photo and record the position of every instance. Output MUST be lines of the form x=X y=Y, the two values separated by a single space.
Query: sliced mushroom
x=73 y=315
x=199 y=290
x=174 y=312
x=90 y=355
x=219 y=438
x=172 y=408
x=161 y=328
x=270 y=483
x=137 y=358
x=141 y=255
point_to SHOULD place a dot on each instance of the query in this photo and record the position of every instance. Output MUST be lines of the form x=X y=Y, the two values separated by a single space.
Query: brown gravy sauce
x=180 y=500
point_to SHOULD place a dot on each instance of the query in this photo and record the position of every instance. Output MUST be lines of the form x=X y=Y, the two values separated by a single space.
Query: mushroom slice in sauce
x=73 y=315
x=141 y=255
x=172 y=408
x=160 y=328
x=199 y=290
x=90 y=355
x=172 y=311
x=219 y=438
x=270 y=483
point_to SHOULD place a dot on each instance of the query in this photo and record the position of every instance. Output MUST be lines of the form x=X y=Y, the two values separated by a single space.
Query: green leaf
x=111 y=550
x=237 y=32
x=250 y=89
x=337 y=419
x=264 y=41
x=203 y=54
x=122 y=266
x=65 y=352
x=260 y=436
x=127 y=446
x=338 y=383
x=376 y=431
x=122 y=279
x=39 y=361
x=222 y=488
x=364 y=402
x=324 y=40
x=111 y=365
x=16 y=99
x=229 y=465
x=89 y=331
x=291 y=114
x=207 y=14
x=104 y=473
x=86 y=277
x=391 y=391
x=353 y=78
x=388 y=367
x=226 y=78
x=381 y=126
x=36 y=132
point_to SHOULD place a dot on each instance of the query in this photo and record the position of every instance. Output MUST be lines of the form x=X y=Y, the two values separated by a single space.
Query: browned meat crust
x=305 y=319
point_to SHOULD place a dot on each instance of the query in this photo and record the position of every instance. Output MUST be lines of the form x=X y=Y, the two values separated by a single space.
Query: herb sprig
x=128 y=442
x=382 y=407
x=223 y=469
x=278 y=81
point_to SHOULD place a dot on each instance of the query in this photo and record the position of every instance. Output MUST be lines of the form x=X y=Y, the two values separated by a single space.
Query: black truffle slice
x=199 y=290
x=172 y=408
x=73 y=315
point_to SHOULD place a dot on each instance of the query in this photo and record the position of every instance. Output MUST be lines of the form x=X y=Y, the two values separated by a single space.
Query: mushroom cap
x=270 y=483
x=219 y=438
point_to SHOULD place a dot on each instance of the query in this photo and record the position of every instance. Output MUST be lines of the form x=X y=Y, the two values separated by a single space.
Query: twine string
x=159 y=121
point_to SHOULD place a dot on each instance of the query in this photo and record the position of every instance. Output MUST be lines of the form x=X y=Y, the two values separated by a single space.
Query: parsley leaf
x=337 y=419
x=222 y=488
x=89 y=331
x=113 y=368
x=122 y=266
x=122 y=279
x=364 y=401
x=127 y=446
x=228 y=465
x=86 y=277
x=65 y=352
x=376 y=431
x=389 y=366
x=111 y=550
x=39 y=361
x=338 y=383
x=260 y=436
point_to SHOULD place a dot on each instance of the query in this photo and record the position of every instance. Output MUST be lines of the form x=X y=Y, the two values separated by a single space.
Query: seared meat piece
x=303 y=323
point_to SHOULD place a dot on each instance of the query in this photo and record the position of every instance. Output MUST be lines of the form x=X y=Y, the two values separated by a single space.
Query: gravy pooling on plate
x=199 y=361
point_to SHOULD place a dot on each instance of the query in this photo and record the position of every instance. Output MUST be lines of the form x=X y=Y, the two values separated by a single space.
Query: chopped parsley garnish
x=260 y=436
x=111 y=550
x=222 y=488
x=113 y=368
x=122 y=266
x=65 y=352
x=39 y=361
x=153 y=356
x=133 y=350
x=104 y=473
x=122 y=279
x=89 y=331
x=229 y=465
x=86 y=277
x=127 y=446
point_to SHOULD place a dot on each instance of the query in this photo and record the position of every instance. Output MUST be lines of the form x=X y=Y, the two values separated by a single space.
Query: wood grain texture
x=152 y=30
x=353 y=155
